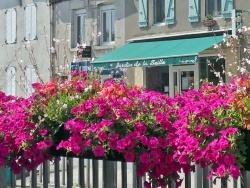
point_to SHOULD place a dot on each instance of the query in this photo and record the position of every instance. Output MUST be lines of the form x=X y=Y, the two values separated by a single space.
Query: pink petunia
x=145 y=158
x=129 y=156
x=99 y=151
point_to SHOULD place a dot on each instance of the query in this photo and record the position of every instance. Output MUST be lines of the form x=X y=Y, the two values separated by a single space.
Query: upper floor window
x=30 y=22
x=80 y=27
x=213 y=7
x=107 y=24
x=159 y=11
x=10 y=26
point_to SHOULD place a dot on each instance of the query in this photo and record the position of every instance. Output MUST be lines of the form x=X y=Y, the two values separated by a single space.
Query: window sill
x=104 y=47
x=159 y=24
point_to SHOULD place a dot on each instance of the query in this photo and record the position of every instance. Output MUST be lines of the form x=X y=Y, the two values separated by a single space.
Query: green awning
x=156 y=53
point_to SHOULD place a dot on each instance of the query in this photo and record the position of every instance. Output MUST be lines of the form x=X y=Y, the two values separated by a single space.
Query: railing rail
x=85 y=173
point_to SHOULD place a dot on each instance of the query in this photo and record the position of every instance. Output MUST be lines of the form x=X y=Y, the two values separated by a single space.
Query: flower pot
x=247 y=143
x=63 y=134
x=209 y=23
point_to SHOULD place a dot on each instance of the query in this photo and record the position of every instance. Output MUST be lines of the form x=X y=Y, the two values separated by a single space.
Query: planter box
x=247 y=143
x=209 y=23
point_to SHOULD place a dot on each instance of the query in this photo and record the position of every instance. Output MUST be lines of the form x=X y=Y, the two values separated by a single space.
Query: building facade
x=24 y=49
x=164 y=45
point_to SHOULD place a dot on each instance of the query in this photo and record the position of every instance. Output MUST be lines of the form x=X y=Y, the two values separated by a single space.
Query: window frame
x=33 y=22
x=83 y=15
x=13 y=27
x=219 y=9
x=108 y=9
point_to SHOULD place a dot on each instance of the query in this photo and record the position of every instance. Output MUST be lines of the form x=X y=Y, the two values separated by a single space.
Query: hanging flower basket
x=247 y=143
x=209 y=23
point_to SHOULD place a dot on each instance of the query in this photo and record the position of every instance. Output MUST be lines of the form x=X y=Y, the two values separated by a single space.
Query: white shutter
x=28 y=22
x=13 y=26
x=33 y=22
x=11 y=81
x=30 y=79
x=8 y=26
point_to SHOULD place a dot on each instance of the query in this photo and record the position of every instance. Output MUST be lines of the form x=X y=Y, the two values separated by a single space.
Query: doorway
x=182 y=78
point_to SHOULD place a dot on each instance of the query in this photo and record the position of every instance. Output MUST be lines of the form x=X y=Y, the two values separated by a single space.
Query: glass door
x=182 y=78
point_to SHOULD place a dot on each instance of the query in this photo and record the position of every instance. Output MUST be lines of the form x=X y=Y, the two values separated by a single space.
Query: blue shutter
x=27 y=22
x=143 y=13
x=170 y=11
x=11 y=81
x=30 y=74
x=193 y=10
x=226 y=8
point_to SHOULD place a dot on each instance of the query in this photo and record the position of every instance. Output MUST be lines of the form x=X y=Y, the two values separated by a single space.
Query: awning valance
x=156 y=53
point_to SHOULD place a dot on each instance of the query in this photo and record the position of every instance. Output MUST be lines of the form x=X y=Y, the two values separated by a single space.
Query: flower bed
x=163 y=136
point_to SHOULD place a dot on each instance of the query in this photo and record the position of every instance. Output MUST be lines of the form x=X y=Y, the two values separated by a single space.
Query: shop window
x=30 y=22
x=80 y=27
x=10 y=26
x=107 y=25
x=11 y=81
x=213 y=7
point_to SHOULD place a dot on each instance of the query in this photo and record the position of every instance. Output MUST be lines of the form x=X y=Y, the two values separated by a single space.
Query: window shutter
x=11 y=81
x=193 y=10
x=226 y=8
x=143 y=13
x=30 y=79
x=28 y=22
x=13 y=26
x=8 y=26
x=170 y=11
x=33 y=22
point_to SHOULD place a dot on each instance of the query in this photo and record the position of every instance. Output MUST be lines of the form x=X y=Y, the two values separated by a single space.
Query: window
x=30 y=22
x=213 y=7
x=159 y=11
x=107 y=24
x=80 y=27
x=30 y=76
x=11 y=81
x=10 y=26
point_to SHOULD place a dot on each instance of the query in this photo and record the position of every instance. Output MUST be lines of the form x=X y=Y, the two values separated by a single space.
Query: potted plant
x=209 y=21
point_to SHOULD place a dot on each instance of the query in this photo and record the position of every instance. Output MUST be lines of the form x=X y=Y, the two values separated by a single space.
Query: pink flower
x=145 y=158
x=102 y=136
x=129 y=156
x=43 y=132
x=229 y=159
x=99 y=151
x=234 y=171
x=221 y=170
x=209 y=130
x=147 y=184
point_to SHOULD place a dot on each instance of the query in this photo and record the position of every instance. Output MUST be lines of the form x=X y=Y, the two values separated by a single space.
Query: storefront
x=169 y=66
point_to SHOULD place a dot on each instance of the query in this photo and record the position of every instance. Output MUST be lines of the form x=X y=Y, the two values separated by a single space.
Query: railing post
x=3 y=177
x=198 y=177
x=69 y=172
x=95 y=173
x=34 y=178
x=57 y=174
x=23 y=178
x=109 y=174
x=45 y=175
x=124 y=174
x=188 y=180
x=81 y=173
x=63 y=171
x=13 y=180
